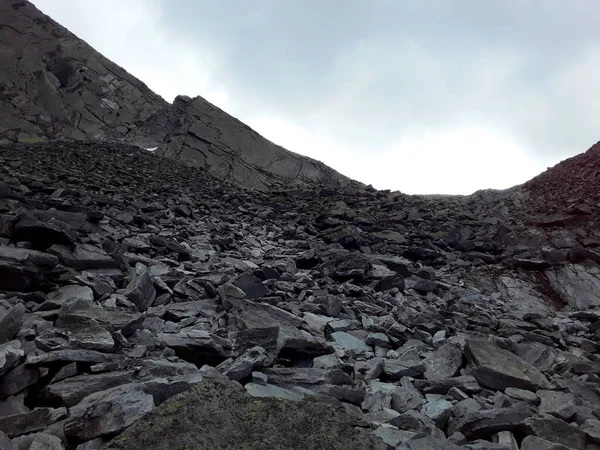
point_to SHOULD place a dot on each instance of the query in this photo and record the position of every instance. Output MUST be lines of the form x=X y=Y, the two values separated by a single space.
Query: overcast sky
x=433 y=96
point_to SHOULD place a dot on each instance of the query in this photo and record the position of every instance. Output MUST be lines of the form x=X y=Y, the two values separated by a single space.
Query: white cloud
x=131 y=34
x=458 y=161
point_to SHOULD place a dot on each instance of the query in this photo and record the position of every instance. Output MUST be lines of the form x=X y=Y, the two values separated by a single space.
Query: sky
x=434 y=96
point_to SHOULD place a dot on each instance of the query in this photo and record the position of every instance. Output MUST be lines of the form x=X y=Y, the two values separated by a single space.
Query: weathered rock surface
x=219 y=415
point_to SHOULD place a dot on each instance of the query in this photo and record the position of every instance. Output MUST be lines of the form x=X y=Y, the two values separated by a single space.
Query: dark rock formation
x=53 y=85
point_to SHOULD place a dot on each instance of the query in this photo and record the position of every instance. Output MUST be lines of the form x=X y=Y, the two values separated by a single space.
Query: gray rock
x=522 y=395
x=418 y=423
x=536 y=443
x=177 y=312
x=11 y=322
x=378 y=340
x=555 y=430
x=65 y=294
x=591 y=427
x=559 y=404
x=404 y=367
x=91 y=418
x=444 y=362
x=578 y=286
x=349 y=343
x=69 y=355
x=392 y=436
x=485 y=423
x=465 y=407
x=497 y=368
x=235 y=420
x=83 y=257
x=140 y=290
x=465 y=383
x=428 y=443
x=74 y=331
x=5 y=442
x=112 y=319
x=42 y=234
x=326 y=362
x=197 y=346
x=378 y=396
x=31 y=421
x=269 y=390
x=13 y=405
x=42 y=441
x=380 y=417
x=406 y=399
x=72 y=390
x=17 y=379
x=10 y=354
x=243 y=366
x=251 y=285
x=163 y=389
x=438 y=410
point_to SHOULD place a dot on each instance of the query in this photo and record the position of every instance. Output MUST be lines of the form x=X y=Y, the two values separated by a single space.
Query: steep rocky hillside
x=54 y=85
x=369 y=319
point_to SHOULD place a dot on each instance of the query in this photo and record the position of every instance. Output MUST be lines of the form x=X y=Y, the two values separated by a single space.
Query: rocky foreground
x=302 y=318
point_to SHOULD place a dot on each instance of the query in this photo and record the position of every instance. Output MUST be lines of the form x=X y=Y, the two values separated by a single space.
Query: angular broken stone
x=162 y=389
x=197 y=346
x=444 y=362
x=73 y=331
x=83 y=257
x=42 y=234
x=31 y=421
x=350 y=343
x=497 y=368
x=10 y=354
x=485 y=423
x=555 y=430
x=536 y=443
x=18 y=379
x=106 y=413
x=404 y=367
x=11 y=321
x=243 y=366
x=251 y=285
x=141 y=290
x=43 y=441
x=71 y=355
x=269 y=390
x=72 y=390
x=559 y=404
x=66 y=294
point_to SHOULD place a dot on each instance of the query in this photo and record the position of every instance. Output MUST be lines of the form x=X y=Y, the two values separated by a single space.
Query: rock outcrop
x=55 y=86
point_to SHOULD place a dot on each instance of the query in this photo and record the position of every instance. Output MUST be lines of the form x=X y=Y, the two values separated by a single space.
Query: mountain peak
x=55 y=86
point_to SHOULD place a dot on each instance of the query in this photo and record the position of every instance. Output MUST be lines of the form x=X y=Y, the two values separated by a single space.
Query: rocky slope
x=53 y=85
x=415 y=322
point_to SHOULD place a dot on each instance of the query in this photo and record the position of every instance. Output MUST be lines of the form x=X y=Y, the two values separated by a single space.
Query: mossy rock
x=219 y=415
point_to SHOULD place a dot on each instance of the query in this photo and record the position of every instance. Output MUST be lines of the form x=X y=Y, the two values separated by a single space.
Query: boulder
x=109 y=412
x=497 y=368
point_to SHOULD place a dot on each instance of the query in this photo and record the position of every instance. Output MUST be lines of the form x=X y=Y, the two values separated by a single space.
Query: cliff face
x=54 y=85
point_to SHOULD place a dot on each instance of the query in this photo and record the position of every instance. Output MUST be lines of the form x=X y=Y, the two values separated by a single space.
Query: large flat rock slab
x=497 y=368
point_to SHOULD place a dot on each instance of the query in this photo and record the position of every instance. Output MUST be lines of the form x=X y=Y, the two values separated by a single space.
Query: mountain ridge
x=54 y=85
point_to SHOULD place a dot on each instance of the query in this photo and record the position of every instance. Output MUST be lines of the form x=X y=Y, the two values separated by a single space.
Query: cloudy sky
x=434 y=96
